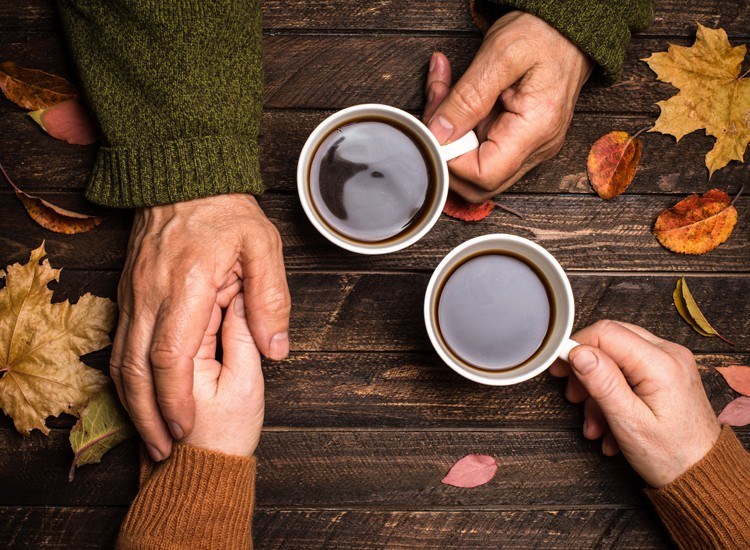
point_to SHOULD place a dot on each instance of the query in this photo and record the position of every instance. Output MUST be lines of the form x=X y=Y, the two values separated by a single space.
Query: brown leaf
x=713 y=96
x=471 y=471
x=458 y=208
x=697 y=224
x=737 y=377
x=53 y=217
x=33 y=89
x=68 y=121
x=612 y=162
x=737 y=413
x=689 y=310
x=40 y=344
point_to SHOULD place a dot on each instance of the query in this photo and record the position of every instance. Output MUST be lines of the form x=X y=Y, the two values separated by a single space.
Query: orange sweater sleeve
x=709 y=505
x=194 y=499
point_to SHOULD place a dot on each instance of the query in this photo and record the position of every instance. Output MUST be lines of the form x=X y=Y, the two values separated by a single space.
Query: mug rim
x=433 y=150
x=513 y=375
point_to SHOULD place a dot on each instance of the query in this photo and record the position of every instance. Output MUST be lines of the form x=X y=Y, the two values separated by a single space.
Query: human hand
x=643 y=395
x=184 y=260
x=518 y=94
x=228 y=395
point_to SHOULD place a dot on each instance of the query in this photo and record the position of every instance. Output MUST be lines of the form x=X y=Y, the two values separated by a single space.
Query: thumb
x=239 y=350
x=473 y=97
x=606 y=384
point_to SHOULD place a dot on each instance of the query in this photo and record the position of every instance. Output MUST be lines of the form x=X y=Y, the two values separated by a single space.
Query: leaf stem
x=725 y=339
x=7 y=177
x=742 y=188
x=747 y=72
x=509 y=210
x=639 y=132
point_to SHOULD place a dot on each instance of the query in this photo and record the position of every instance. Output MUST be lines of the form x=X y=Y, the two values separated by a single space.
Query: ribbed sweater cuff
x=708 y=506
x=174 y=171
x=194 y=499
x=598 y=28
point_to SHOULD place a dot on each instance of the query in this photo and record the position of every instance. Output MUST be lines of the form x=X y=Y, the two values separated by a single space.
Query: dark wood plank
x=52 y=527
x=40 y=163
x=671 y=18
x=583 y=232
x=369 y=468
x=335 y=71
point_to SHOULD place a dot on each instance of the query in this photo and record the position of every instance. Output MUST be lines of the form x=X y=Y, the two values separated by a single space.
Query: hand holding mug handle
x=469 y=142
x=565 y=348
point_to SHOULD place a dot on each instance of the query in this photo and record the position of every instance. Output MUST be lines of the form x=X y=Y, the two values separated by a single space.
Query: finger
x=180 y=326
x=267 y=301
x=595 y=425
x=138 y=383
x=575 y=392
x=207 y=350
x=474 y=95
x=642 y=332
x=240 y=352
x=605 y=383
x=610 y=447
x=115 y=360
x=560 y=369
x=437 y=85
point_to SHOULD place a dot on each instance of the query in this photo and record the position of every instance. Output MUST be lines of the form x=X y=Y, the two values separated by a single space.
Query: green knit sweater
x=176 y=86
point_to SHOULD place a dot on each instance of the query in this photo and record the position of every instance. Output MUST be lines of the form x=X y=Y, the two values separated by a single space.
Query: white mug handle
x=460 y=147
x=566 y=348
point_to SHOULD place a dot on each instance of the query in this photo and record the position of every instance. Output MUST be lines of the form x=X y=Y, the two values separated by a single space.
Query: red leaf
x=53 y=217
x=33 y=89
x=737 y=377
x=68 y=121
x=612 y=163
x=458 y=208
x=471 y=471
x=737 y=413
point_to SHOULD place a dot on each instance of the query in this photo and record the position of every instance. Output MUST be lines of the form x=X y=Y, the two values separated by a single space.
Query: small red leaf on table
x=737 y=413
x=697 y=224
x=53 y=217
x=612 y=162
x=471 y=471
x=458 y=208
x=737 y=377
x=68 y=121
x=33 y=89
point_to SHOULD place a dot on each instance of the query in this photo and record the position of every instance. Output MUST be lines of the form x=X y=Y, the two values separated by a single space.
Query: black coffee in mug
x=371 y=180
x=494 y=311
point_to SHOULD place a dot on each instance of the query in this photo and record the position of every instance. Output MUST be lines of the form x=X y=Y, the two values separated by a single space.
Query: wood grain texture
x=40 y=163
x=672 y=17
x=48 y=528
x=581 y=231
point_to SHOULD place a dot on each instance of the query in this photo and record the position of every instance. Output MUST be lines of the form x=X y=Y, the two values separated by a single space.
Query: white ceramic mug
x=438 y=154
x=557 y=343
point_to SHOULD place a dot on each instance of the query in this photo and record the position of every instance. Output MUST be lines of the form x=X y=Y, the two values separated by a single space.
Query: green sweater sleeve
x=176 y=87
x=600 y=28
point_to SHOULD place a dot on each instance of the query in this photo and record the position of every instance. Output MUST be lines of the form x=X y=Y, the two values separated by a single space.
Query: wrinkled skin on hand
x=518 y=94
x=642 y=395
x=185 y=260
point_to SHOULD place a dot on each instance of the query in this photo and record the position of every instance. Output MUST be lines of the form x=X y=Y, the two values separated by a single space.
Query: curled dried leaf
x=53 y=217
x=612 y=162
x=68 y=121
x=697 y=224
x=689 y=310
x=34 y=89
x=458 y=208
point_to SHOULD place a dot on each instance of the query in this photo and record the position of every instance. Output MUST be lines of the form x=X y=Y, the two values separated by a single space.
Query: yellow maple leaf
x=41 y=344
x=712 y=95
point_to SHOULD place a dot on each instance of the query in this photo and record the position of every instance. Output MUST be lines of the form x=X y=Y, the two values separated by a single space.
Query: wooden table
x=363 y=420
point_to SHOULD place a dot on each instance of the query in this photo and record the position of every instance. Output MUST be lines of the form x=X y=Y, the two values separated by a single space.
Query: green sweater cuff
x=601 y=29
x=174 y=171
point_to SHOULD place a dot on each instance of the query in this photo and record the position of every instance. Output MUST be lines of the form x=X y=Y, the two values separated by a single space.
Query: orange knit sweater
x=204 y=499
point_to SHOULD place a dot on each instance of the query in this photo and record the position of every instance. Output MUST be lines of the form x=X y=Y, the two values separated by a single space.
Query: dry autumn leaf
x=53 y=217
x=41 y=342
x=689 y=310
x=471 y=471
x=737 y=377
x=736 y=413
x=68 y=121
x=33 y=89
x=103 y=424
x=697 y=224
x=457 y=207
x=712 y=97
x=612 y=162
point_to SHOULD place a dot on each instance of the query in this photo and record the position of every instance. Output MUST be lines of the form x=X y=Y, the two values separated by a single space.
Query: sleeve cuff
x=600 y=29
x=195 y=498
x=707 y=506
x=174 y=171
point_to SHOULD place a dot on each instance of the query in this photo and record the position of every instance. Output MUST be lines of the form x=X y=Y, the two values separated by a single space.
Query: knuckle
x=607 y=387
x=164 y=356
x=468 y=100
x=604 y=327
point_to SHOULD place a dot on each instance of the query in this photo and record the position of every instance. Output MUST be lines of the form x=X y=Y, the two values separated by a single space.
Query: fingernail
x=279 y=347
x=433 y=60
x=153 y=452
x=584 y=362
x=176 y=430
x=239 y=307
x=441 y=128
x=430 y=96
